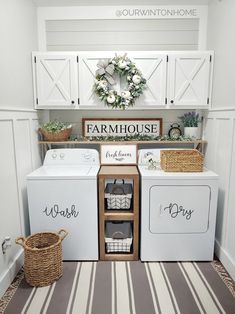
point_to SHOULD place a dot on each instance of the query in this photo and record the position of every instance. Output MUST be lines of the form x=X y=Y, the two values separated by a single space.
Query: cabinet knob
x=72 y=102
x=172 y=101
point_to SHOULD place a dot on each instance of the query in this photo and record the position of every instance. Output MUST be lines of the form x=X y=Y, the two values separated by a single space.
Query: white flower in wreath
x=111 y=99
x=103 y=84
x=136 y=79
x=122 y=64
x=126 y=94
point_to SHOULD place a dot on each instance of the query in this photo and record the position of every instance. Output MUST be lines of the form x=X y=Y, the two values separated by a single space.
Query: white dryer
x=178 y=213
x=62 y=194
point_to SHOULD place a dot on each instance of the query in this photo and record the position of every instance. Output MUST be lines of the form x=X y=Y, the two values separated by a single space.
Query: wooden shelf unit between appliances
x=119 y=172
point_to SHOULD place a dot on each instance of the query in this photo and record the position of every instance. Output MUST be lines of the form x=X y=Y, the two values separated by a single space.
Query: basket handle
x=118 y=235
x=20 y=241
x=64 y=234
x=115 y=181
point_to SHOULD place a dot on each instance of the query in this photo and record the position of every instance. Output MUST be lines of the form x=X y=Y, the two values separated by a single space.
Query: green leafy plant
x=55 y=126
x=190 y=119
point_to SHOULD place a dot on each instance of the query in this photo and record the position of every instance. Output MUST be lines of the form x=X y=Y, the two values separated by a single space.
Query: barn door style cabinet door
x=65 y=80
x=189 y=79
x=152 y=65
x=55 y=80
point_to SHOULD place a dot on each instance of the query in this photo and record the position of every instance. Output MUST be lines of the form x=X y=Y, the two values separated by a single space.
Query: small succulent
x=190 y=119
x=55 y=126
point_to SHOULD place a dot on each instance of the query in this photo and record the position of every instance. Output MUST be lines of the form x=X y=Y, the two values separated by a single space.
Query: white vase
x=191 y=132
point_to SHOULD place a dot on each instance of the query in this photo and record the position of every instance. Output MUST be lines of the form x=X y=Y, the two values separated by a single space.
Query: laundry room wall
x=18 y=125
x=220 y=125
x=61 y=32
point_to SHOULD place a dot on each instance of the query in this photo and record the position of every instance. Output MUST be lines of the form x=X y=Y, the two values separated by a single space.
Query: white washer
x=62 y=194
x=178 y=213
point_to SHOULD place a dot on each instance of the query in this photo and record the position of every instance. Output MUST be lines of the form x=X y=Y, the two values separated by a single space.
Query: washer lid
x=162 y=175
x=64 y=172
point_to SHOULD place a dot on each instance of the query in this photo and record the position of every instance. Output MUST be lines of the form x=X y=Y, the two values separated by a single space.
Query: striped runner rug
x=127 y=287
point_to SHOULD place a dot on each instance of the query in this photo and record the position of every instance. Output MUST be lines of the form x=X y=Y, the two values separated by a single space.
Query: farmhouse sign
x=121 y=127
x=118 y=154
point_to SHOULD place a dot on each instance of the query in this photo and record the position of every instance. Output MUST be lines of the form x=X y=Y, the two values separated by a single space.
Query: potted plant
x=190 y=121
x=55 y=131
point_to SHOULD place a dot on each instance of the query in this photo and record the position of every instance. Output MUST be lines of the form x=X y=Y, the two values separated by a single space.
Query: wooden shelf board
x=119 y=257
x=124 y=142
x=115 y=171
x=118 y=216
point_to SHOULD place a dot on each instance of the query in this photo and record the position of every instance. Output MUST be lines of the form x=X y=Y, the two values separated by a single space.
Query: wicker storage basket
x=42 y=257
x=189 y=160
x=56 y=136
x=118 y=237
x=118 y=195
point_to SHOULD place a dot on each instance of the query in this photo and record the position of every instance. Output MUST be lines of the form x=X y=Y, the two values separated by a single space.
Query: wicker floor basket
x=188 y=160
x=56 y=136
x=42 y=257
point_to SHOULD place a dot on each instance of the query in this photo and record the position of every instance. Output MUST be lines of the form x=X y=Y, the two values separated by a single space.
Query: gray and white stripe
x=128 y=287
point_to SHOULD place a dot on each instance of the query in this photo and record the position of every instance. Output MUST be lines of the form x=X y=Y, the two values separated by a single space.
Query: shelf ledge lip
x=125 y=142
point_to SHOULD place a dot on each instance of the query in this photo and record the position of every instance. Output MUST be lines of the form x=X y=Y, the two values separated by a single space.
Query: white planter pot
x=191 y=132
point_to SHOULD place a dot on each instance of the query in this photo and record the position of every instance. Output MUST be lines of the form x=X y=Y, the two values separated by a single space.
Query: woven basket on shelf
x=188 y=160
x=42 y=257
x=56 y=136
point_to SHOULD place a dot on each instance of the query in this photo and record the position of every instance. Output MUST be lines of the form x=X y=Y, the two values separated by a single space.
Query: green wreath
x=104 y=81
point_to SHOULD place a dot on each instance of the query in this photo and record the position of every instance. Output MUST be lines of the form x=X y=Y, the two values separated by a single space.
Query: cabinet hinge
x=35 y=59
x=208 y=101
x=165 y=101
x=167 y=58
x=78 y=101
x=37 y=101
x=210 y=58
x=77 y=59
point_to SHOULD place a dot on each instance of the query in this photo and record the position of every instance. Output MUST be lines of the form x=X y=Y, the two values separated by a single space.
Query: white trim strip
x=37 y=301
x=204 y=295
x=161 y=289
x=191 y=288
x=123 y=304
x=151 y=288
x=82 y=291
x=206 y=283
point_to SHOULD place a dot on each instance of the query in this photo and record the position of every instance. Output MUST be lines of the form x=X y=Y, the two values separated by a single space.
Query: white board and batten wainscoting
x=19 y=156
x=219 y=131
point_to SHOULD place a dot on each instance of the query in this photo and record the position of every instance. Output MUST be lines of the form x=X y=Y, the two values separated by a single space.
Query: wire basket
x=188 y=160
x=118 y=237
x=118 y=195
x=60 y=136
x=42 y=257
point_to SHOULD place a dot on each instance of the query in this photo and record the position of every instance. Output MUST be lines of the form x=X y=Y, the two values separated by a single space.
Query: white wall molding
x=8 y=276
x=15 y=109
x=225 y=259
x=121 y=13
x=226 y=109
x=19 y=156
x=219 y=131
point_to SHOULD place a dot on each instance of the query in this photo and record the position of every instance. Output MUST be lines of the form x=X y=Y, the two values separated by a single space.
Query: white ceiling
x=117 y=2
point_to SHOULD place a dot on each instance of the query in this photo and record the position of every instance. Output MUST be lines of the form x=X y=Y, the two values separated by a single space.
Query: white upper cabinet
x=189 y=79
x=152 y=66
x=174 y=79
x=55 y=80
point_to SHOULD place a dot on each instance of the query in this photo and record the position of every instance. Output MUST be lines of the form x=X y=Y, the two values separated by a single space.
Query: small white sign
x=118 y=154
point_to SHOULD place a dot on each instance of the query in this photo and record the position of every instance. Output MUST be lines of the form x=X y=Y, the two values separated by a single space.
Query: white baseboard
x=9 y=275
x=225 y=258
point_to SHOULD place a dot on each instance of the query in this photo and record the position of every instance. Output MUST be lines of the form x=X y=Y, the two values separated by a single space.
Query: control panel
x=71 y=156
